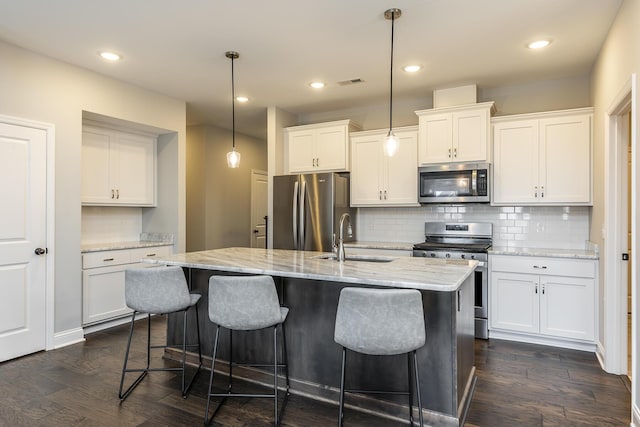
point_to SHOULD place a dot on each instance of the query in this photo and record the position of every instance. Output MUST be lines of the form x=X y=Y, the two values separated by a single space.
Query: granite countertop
x=545 y=252
x=403 y=272
x=402 y=246
x=146 y=240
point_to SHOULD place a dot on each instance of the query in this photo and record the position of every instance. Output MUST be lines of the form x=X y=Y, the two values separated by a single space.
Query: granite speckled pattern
x=403 y=272
x=97 y=247
x=399 y=246
x=545 y=252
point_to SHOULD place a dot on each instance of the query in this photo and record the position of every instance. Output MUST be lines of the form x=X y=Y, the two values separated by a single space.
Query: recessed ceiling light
x=412 y=68
x=110 y=56
x=539 y=44
x=242 y=99
x=317 y=85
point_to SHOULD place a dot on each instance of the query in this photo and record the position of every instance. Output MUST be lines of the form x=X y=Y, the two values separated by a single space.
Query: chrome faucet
x=340 y=254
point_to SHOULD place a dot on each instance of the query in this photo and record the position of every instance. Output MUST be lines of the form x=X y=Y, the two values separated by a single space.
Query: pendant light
x=391 y=143
x=233 y=157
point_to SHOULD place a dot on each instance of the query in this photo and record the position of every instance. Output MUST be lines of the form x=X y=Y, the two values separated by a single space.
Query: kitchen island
x=309 y=284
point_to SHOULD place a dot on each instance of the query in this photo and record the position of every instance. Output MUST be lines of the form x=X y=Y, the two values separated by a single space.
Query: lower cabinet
x=545 y=300
x=103 y=281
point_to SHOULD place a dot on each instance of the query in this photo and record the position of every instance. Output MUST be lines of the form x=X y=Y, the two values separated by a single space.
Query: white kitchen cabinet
x=378 y=180
x=543 y=300
x=118 y=168
x=455 y=134
x=543 y=158
x=318 y=147
x=103 y=281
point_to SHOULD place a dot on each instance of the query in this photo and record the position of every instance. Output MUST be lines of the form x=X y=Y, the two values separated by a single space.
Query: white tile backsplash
x=110 y=224
x=554 y=227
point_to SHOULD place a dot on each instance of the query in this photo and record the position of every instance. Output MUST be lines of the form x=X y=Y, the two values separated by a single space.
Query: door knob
x=256 y=231
x=40 y=251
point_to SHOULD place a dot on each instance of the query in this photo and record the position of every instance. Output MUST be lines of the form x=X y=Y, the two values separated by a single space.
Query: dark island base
x=446 y=362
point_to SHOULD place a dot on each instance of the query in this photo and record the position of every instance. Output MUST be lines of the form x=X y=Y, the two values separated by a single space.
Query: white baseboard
x=635 y=415
x=111 y=323
x=68 y=337
x=542 y=340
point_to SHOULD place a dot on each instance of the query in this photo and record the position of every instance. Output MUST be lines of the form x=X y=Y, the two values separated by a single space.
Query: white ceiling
x=177 y=47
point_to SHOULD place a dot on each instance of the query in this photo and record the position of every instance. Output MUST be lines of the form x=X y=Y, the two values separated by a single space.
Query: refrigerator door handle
x=303 y=195
x=295 y=215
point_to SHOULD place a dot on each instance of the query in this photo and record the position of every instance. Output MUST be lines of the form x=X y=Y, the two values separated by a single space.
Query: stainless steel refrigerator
x=307 y=210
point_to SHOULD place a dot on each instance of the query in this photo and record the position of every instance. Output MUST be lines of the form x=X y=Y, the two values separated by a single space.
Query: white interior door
x=259 y=193
x=23 y=166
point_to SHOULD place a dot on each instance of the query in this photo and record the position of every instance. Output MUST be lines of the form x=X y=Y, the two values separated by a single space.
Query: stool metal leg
x=275 y=375
x=342 y=380
x=187 y=387
x=415 y=365
x=123 y=395
x=207 y=420
x=410 y=389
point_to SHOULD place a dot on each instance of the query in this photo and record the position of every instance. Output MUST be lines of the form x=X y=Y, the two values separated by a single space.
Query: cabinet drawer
x=544 y=266
x=105 y=258
x=142 y=253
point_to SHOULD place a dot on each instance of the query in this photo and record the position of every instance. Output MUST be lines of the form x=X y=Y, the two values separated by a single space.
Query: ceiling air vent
x=350 y=82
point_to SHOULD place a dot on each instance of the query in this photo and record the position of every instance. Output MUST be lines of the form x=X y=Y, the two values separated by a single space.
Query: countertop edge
x=100 y=247
x=545 y=252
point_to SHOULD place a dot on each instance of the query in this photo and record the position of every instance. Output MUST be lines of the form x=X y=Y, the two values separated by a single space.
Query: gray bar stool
x=246 y=303
x=381 y=322
x=159 y=290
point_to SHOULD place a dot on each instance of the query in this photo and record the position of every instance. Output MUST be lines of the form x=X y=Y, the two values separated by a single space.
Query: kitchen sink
x=363 y=258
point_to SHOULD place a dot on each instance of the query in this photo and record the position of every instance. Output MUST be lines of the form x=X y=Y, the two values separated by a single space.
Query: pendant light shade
x=233 y=156
x=391 y=143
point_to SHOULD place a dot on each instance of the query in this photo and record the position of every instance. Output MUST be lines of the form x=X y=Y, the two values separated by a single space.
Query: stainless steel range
x=469 y=240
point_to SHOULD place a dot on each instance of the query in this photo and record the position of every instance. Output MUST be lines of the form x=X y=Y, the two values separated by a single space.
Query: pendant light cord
x=233 y=108
x=393 y=16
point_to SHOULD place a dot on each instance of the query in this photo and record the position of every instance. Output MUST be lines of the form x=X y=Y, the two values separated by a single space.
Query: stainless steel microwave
x=454 y=183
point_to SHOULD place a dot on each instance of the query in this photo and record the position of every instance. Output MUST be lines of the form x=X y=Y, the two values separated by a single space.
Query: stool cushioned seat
x=380 y=321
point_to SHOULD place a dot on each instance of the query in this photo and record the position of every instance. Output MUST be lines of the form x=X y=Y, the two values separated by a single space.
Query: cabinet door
x=565 y=159
x=567 y=307
x=470 y=134
x=331 y=149
x=366 y=170
x=133 y=166
x=436 y=138
x=514 y=302
x=103 y=294
x=401 y=173
x=301 y=150
x=515 y=168
x=96 y=160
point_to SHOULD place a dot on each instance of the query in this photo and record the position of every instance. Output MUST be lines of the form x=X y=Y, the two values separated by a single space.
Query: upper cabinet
x=318 y=147
x=543 y=158
x=378 y=180
x=455 y=134
x=118 y=168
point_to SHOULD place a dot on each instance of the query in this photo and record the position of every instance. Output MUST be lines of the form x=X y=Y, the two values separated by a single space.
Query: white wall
x=39 y=88
x=618 y=59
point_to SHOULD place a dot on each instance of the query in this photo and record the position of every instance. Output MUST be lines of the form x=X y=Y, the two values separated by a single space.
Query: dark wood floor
x=518 y=385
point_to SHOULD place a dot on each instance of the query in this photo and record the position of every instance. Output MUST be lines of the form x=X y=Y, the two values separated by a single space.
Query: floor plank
x=518 y=385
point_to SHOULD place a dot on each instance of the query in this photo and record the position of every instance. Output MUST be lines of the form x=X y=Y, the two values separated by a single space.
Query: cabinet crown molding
x=490 y=105
x=543 y=114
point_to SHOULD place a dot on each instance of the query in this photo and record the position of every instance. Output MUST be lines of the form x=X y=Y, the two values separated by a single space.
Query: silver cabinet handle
x=543 y=267
x=385 y=194
x=535 y=191
x=151 y=254
x=380 y=195
x=107 y=259
x=317 y=162
x=113 y=194
x=117 y=193
x=455 y=152
x=449 y=152
x=542 y=191
x=536 y=288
